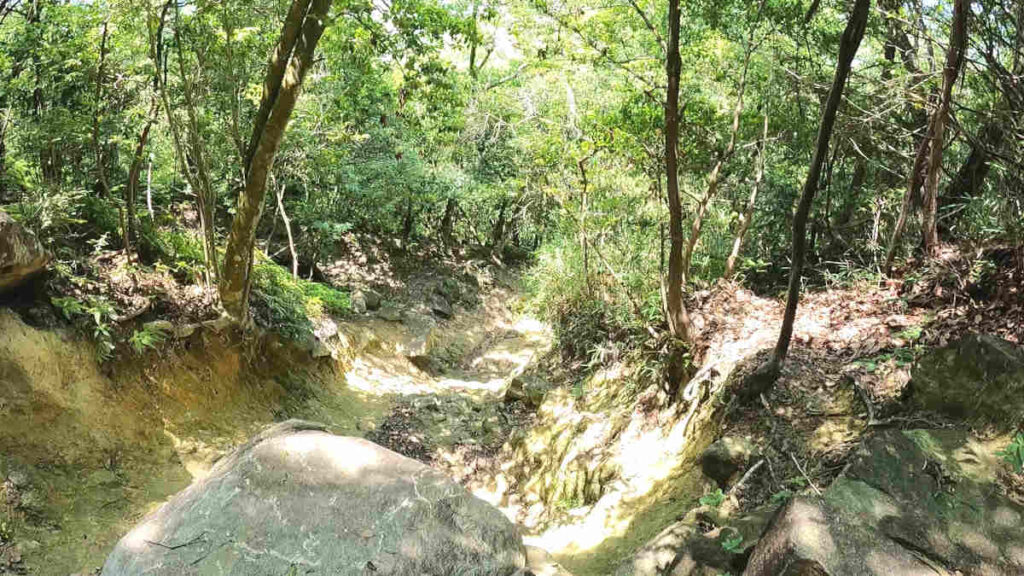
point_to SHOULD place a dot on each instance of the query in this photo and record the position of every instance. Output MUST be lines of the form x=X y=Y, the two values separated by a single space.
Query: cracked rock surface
x=298 y=500
x=916 y=502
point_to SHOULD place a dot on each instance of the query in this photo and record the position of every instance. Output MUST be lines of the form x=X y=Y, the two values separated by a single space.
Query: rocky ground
x=598 y=464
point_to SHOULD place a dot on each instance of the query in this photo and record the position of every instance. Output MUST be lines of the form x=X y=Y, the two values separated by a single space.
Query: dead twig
x=806 y=477
x=743 y=480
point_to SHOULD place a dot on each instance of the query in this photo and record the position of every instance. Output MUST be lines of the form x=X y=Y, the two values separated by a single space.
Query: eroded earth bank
x=877 y=452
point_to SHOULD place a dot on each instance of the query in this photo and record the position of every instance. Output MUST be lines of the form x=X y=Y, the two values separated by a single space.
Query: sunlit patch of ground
x=96 y=449
x=651 y=457
x=593 y=475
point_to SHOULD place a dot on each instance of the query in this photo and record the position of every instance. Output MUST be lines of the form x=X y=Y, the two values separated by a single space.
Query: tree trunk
x=584 y=242
x=678 y=318
x=498 y=230
x=448 y=222
x=748 y=213
x=288 y=230
x=848 y=46
x=149 y=187
x=135 y=169
x=97 y=144
x=954 y=59
x=288 y=67
x=473 y=40
x=408 y=222
x=3 y=150
x=967 y=182
x=917 y=174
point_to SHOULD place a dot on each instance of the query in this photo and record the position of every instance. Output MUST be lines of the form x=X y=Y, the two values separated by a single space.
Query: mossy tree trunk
x=288 y=67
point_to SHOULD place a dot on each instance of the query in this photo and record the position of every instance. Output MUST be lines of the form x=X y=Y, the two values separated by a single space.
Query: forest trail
x=131 y=433
x=844 y=335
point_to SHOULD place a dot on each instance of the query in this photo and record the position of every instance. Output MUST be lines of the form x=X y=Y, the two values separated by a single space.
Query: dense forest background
x=522 y=129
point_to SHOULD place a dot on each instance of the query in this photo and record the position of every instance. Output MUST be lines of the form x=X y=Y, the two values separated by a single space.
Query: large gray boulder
x=920 y=502
x=979 y=378
x=297 y=500
x=21 y=254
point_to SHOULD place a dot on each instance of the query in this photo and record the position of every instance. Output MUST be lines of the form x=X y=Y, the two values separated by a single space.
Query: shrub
x=288 y=304
x=1014 y=453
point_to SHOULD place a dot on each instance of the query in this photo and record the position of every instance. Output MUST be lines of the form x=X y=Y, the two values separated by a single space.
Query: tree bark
x=135 y=169
x=748 y=212
x=288 y=230
x=950 y=73
x=916 y=180
x=448 y=222
x=97 y=144
x=967 y=182
x=848 y=46
x=282 y=85
x=678 y=318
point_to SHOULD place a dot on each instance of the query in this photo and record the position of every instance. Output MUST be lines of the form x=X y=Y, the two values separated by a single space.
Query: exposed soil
x=604 y=463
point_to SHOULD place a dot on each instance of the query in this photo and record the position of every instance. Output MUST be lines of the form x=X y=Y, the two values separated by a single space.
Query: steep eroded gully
x=87 y=449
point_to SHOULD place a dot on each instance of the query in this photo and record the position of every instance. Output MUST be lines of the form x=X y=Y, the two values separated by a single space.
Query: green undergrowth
x=290 y=305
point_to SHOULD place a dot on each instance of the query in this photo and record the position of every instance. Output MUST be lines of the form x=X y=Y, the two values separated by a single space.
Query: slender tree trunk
x=498 y=230
x=748 y=213
x=954 y=59
x=134 y=170
x=3 y=149
x=917 y=173
x=288 y=230
x=408 y=222
x=473 y=40
x=206 y=199
x=969 y=179
x=678 y=318
x=97 y=144
x=848 y=46
x=448 y=222
x=584 y=243
x=288 y=66
x=149 y=187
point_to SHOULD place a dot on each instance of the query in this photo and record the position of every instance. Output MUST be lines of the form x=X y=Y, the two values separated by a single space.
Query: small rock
x=372 y=299
x=325 y=328
x=358 y=300
x=21 y=254
x=440 y=306
x=529 y=390
x=184 y=330
x=322 y=350
x=18 y=478
x=725 y=457
x=390 y=313
x=449 y=288
x=162 y=326
x=218 y=324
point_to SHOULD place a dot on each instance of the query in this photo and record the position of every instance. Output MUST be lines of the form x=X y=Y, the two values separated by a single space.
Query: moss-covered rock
x=979 y=379
x=727 y=456
x=915 y=502
x=21 y=255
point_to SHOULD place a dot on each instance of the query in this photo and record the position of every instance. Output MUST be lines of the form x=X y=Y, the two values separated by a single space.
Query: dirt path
x=86 y=449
